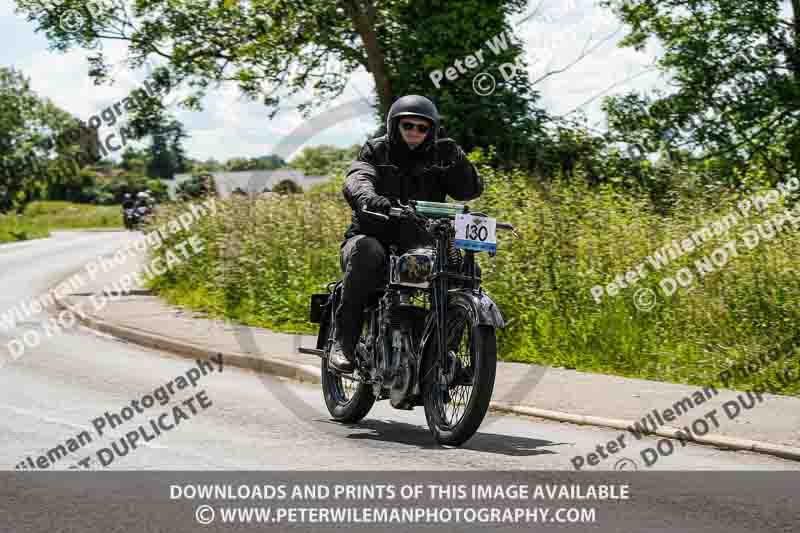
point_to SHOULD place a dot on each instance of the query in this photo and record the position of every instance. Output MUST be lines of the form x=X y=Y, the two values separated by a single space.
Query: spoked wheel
x=347 y=400
x=457 y=397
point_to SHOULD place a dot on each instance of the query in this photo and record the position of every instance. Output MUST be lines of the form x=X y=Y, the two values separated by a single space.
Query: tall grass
x=39 y=218
x=264 y=258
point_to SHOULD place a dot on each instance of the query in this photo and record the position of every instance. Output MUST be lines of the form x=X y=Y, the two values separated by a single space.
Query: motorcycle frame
x=481 y=308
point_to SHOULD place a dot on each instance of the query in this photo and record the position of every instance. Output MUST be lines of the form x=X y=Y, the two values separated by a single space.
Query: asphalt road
x=54 y=392
x=242 y=421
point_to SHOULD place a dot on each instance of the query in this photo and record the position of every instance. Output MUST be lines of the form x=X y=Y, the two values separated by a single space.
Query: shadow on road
x=414 y=435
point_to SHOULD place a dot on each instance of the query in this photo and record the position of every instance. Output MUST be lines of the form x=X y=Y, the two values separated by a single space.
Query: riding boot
x=342 y=355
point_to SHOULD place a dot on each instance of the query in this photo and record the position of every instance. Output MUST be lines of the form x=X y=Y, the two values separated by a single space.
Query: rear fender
x=322 y=309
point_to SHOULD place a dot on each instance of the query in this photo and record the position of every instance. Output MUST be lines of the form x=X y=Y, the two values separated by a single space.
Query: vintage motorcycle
x=133 y=217
x=429 y=333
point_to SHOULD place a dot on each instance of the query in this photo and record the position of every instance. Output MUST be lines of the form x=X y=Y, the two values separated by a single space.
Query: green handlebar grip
x=438 y=209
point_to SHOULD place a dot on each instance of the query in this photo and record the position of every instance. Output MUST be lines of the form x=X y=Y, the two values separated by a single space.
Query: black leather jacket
x=399 y=173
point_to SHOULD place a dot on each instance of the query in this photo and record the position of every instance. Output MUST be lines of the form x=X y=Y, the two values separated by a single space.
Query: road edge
x=310 y=374
x=265 y=365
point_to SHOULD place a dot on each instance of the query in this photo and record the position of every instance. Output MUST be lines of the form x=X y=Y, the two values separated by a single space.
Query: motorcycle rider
x=143 y=200
x=404 y=164
x=127 y=205
x=127 y=201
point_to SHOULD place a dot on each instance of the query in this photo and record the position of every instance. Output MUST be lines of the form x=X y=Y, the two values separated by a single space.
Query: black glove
x=411 y=215
x=378 y=204
x=449 y=152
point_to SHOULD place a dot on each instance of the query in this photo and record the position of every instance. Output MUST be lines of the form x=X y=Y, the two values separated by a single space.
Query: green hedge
x=264 y=258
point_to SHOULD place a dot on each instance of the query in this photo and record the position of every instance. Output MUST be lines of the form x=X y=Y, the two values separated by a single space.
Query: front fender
x=483 y=310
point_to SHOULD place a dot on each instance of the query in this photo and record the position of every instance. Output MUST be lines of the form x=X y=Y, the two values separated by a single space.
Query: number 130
x=476 y=233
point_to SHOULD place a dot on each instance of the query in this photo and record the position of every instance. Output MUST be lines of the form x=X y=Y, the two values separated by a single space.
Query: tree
x=176 y=133
x=267 y=162
x=287 y=186
x=270 y=162
x=275 y=49
x=202 y=167
x=240 y=163
x=40 y=144
x=431 y=36
x=134 y=161
x=158 y=189
x=162 y=160
x=166 y=153
x=199 y=185
x=735 y=67
x=324 y=159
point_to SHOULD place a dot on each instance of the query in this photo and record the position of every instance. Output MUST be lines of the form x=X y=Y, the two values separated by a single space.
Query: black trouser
x=363 y=260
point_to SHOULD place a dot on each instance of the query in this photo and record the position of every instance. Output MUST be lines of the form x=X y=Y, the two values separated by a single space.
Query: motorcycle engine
x=405 y=330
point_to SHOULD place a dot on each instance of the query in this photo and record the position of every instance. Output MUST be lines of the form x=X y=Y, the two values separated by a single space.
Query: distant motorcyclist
x=128 y=208
x=127 y=201
x=145 y=201
x=409 y=162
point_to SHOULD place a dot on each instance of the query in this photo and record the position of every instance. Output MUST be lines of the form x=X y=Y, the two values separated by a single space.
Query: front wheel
x=457 y=398
x=347 y=400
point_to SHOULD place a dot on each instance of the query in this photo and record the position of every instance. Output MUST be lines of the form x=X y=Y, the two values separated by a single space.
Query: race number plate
x=476 y=233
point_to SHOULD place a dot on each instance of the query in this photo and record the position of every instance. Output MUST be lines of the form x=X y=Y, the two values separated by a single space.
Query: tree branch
x=584 y=53
x=375 y=57
x=796 y=58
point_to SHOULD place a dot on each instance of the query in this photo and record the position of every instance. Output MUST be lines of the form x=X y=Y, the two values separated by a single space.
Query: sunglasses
x=408 y=126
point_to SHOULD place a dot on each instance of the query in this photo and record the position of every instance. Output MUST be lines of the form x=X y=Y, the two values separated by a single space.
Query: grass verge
x=264 y=258
x=39 y=218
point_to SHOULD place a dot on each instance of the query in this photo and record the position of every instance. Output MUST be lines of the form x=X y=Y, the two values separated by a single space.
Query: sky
x=230 y=125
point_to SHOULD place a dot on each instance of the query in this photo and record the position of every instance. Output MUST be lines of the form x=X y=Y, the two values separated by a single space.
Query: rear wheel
x=457 y=398
x=347 y=400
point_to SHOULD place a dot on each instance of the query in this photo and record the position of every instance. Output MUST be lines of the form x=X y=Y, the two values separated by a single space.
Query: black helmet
x=413 y=105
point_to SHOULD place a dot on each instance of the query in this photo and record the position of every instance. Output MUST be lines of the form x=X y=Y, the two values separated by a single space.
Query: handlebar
x=394 y=212
x=397 y=212
x=374 y=214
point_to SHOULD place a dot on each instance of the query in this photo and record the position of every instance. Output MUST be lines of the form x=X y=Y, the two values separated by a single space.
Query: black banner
x=399 y=501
